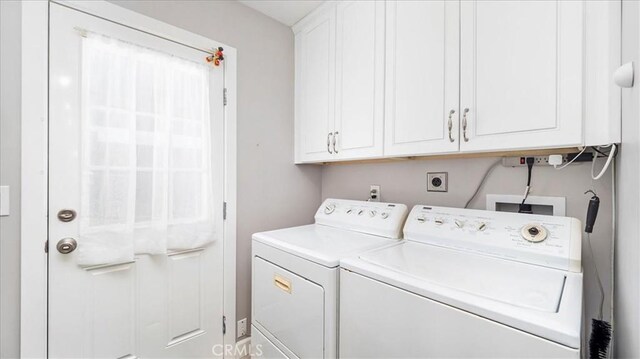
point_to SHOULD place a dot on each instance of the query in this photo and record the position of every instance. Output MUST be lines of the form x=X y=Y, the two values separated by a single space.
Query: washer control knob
x=439 y=221
x=481 y=226
x=459 y=223
x=328 y=209
x=350 y=210
x=421 y=219
x=372 y=213
x=384 y=215
x=360 y=212
x=534 y=233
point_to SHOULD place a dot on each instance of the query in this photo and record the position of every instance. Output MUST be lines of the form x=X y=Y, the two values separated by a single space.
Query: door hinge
x=224 y=96
x=224 y=325
x=224 y=210
x=46 y=246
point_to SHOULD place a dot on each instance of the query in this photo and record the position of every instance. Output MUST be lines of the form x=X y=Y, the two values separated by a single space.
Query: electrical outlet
x=544 y=160
x=374 y=193
x=522 y=161
x=4 y=200
x=242 y=327
x=437 y=182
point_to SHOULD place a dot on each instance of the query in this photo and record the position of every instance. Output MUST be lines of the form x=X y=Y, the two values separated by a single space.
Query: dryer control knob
x=372 y=213
x=439 y=221
x=459 y=223
x=384 y=215
x=421 y=219
x=328 y=209
x=481 y=226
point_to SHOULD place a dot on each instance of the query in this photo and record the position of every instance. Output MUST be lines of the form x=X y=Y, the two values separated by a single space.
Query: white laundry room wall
x=10 y=45
x=273 y=193
x=406 y=182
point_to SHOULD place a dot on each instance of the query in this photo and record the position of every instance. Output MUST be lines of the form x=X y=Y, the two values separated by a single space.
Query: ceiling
x=287 y=12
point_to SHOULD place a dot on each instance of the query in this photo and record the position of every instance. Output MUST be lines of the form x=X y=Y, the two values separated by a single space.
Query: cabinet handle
x=464 y=125
x=335 y=135
x=329 y=142
x=450 y=124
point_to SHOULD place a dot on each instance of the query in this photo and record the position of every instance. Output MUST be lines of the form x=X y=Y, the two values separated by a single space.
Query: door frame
x=34 y=160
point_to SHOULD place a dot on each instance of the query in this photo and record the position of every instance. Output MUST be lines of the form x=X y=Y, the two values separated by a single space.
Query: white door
x=359 y=79
x=315 y=87
x=521 y=74
x=136 y=146
x=422 y=62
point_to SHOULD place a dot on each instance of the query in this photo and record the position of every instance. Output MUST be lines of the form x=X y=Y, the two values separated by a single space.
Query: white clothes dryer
x=295 y=274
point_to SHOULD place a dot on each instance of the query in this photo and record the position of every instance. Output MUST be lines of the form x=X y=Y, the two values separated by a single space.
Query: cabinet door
x=422 y=69
x=360 y=79
x=521 y=74
x=315 y=86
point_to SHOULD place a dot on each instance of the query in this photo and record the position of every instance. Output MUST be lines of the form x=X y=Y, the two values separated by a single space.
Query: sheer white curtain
x=146 y=184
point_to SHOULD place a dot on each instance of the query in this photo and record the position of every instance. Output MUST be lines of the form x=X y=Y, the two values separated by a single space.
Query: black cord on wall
x=526 y=208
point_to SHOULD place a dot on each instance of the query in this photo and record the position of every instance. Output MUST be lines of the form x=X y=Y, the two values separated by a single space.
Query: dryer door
x=290 y=307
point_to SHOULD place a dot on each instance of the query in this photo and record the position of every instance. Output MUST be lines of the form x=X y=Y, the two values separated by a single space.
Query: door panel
x=360 y=79
x=315 y=86
x=117 y=310
x=505 y=50
x=161 y=305
x=422 y=72
x=185 y=296
x=521 y=68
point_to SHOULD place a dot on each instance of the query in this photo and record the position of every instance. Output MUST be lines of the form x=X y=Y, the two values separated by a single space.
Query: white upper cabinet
x=360 y=52
x=315 y=87
x=422 y=67
x=521 y=74
x=416 y=78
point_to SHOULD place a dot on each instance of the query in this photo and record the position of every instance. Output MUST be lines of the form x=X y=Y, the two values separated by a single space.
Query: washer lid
x=322 y=244
x=500 y=280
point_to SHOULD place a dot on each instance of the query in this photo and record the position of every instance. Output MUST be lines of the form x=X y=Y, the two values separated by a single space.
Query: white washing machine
x=466 y=283
x=295 y=275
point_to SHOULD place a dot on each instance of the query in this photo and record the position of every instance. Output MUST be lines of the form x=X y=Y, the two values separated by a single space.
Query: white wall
x=10 y=175
x=627 y=267
x=405 y=182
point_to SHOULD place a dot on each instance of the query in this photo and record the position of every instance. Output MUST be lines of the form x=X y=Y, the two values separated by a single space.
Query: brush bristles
x=600 y=339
